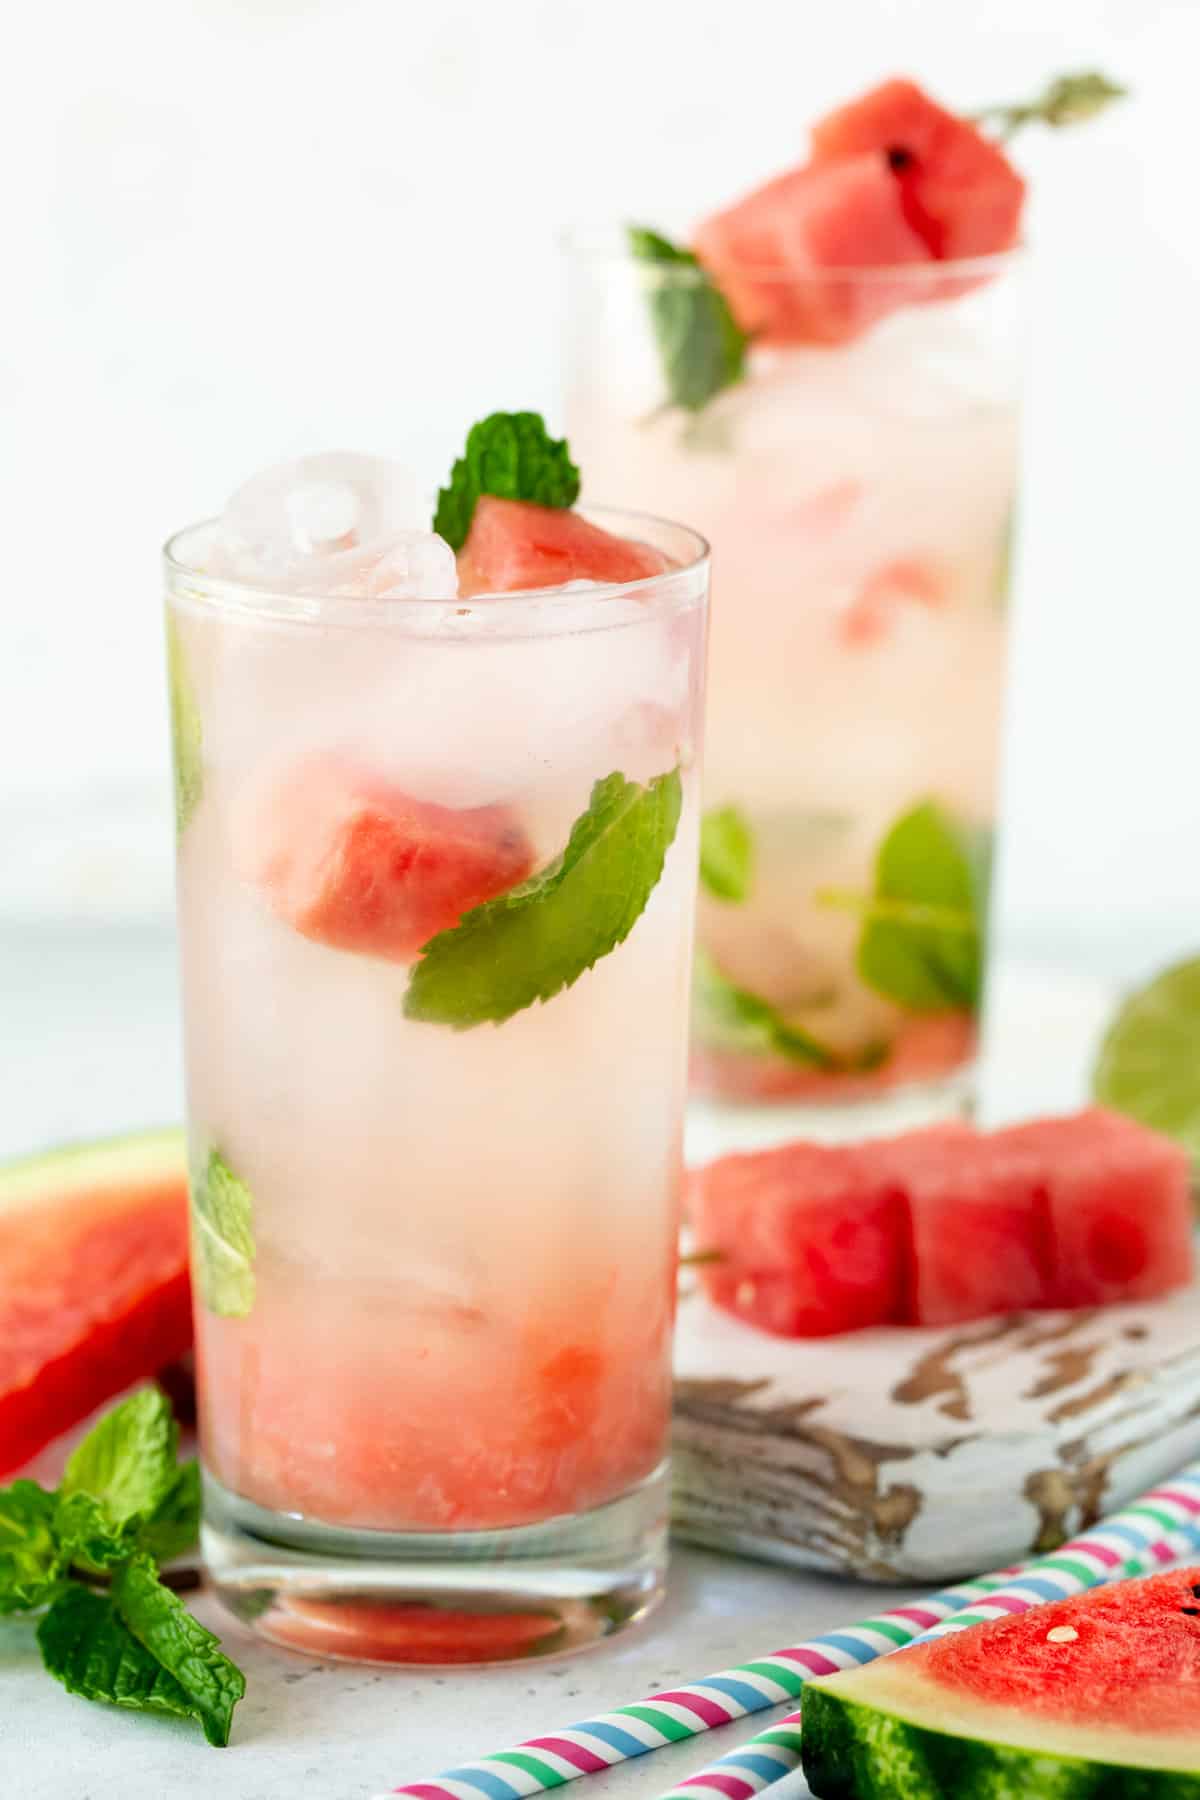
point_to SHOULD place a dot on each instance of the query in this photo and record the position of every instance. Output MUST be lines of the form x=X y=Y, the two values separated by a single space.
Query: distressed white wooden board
x=923 y=1455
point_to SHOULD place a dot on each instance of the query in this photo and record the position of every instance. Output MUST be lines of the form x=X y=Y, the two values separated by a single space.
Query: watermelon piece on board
x=808 y=1243
x=94 y=1291
x=516 y=545
x=958 y=190
x=1091 y=1698
x=348 y=859
x=775 y=254
x=978 y=1226
x=1118 y=1197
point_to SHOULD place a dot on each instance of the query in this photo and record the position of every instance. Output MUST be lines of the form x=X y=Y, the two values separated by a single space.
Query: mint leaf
x=702 y=347
x=88 y=1536
x=162 y=1624
x=30 y=1559
x=513 y=456
x=175 y=1525
x=87 y=1647
x=223 y=1238
x=726 y=854
x=1067 y=100
x=1149 y=1061
x=726 y=1017
x=922 y=937
x=540 y=937
x=186 y=731
x=126 y=1463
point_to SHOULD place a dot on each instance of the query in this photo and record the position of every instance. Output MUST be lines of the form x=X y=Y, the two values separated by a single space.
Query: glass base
x=717 y=1126
x=438 y=1598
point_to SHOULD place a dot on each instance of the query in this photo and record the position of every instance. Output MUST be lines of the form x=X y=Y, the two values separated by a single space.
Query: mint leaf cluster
x=701 y=345
x=86 y=1556
x=222 y=1238
x=540 y=937
x=512 y=456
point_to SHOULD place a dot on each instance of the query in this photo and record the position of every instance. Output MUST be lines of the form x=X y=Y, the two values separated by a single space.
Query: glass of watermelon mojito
x=826 y=384
x=438 y=827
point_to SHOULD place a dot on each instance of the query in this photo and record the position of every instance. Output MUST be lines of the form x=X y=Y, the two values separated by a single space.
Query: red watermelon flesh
x=515 y=545
x=350 y=860
x=776 y=253
x=979 y=1231
x=1119 y=1202
x=1069 y=1697
x=959 y=191
x=808 y=1243
x=94 y=1291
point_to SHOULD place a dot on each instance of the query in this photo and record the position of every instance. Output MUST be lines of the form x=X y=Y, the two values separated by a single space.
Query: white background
x=241 y=229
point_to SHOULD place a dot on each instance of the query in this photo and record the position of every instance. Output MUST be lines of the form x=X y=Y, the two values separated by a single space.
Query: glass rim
x=608 y=243
x=665 y=591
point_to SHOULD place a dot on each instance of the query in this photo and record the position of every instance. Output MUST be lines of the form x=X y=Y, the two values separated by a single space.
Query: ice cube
x=335 y=523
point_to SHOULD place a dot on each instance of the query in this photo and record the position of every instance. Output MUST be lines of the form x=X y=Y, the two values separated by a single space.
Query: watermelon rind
x=140 y=1158
x=898 y=1735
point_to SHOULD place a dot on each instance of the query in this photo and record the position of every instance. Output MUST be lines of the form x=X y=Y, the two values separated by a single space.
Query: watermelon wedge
x=515 y=545
x=957 y=189
x=1092 y=1698
x=348 y=859
x=94 y=1289
x=775 y=253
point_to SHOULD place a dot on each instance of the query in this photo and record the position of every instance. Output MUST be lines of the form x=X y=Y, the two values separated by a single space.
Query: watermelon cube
x=514 y=545
x=1119 y=1205
x=776 y=253
x=958 y=190
x=348 y=859
x=808 y=1244
x=978 y=1228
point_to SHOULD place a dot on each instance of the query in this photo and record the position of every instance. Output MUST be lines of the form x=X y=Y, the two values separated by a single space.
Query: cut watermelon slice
x=1096 y=1696
x=775 y=254
x=349 y=860
x=94 y=1287
x=959 y=191
x=808 y=1243
x=1119 y=1200
x=514 y=545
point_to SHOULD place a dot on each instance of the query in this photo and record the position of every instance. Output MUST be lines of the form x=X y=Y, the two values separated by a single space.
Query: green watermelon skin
x=1021 y=1709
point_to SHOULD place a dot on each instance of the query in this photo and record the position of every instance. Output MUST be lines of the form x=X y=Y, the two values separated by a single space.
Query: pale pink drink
x=859 y=499
x=434 y=1254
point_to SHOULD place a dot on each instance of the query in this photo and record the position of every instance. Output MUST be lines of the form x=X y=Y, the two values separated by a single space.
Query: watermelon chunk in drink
x=515 y=545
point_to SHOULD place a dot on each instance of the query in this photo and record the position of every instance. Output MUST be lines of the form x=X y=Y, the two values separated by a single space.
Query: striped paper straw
x=1157 y=1530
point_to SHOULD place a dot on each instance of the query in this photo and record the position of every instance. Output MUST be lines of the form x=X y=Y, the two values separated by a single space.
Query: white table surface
x=90 y=1033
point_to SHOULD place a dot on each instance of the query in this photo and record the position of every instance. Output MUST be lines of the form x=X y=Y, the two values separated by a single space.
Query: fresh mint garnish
x=223 y=1235
x=1067 y=100
x=512 y=456
x=1149 y=1062
x=30 y=1557
x=923 y=926
x=726 y=854
x=88 y=1553
x=540 y=937
x=702 y=347
x=186 y=731
x=179 y=1644
x=729 y=1018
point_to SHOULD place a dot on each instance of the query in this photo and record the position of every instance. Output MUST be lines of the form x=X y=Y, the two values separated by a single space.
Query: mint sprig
x=87 y=1553
x=726 y=854
x=540 y=937
x=701 y=345
x=923 y=925
x=223 y=1238
x=512 y=456
x=1067 y=100
x=730 y=1018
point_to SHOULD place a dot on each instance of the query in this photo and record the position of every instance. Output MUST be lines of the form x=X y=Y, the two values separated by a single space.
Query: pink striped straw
x=1161 y=1527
